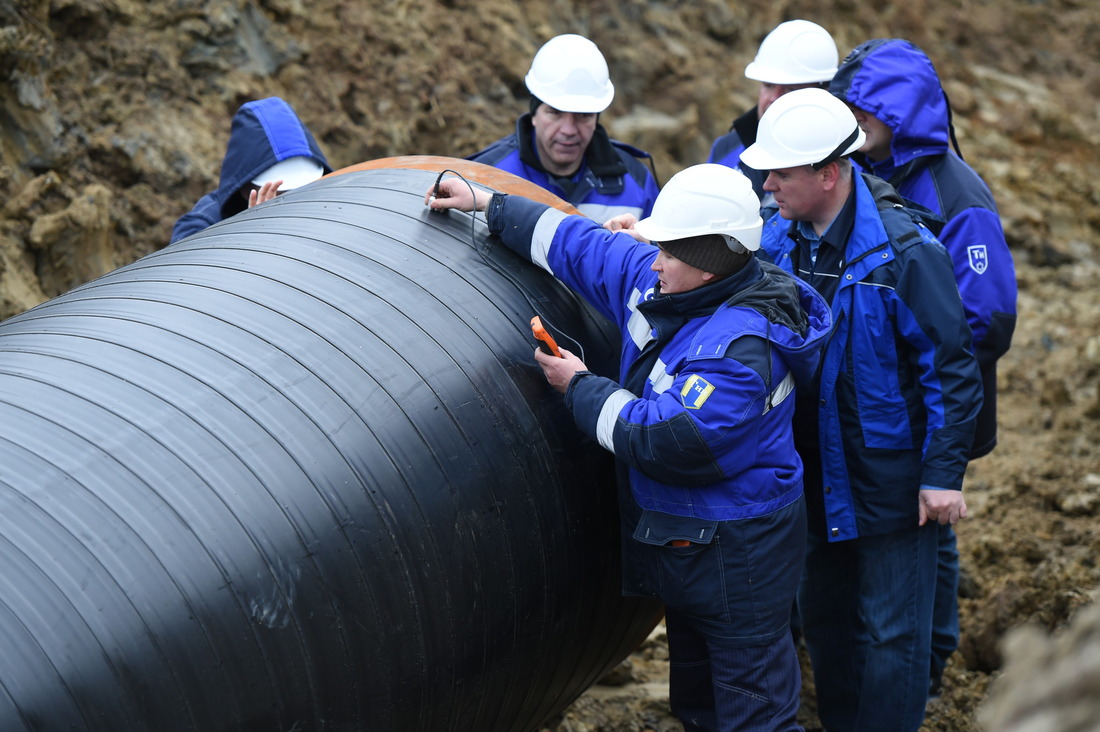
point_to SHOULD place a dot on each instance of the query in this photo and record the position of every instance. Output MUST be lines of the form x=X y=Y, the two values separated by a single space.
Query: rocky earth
x=114 y=115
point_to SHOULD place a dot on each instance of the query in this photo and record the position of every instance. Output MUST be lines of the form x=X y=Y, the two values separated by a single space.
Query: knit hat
x=708 y=252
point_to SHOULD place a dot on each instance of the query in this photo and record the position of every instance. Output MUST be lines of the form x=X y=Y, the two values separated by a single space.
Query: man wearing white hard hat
x=270 y=151
x=885 y=435
x=699 y=421
x=560 y=144
x=797 y=54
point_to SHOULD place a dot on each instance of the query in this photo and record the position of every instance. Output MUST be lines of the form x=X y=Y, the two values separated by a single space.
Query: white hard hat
x=706 y=199
x=570 y=74
x=294 y=172
x=804 y=127
x=795 y=52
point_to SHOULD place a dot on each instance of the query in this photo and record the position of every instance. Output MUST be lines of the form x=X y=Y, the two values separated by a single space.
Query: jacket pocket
x=883 y=415
x=658 y=529
x=678 y=559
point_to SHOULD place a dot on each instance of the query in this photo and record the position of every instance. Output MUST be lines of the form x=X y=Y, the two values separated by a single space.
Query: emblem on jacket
x=979 y=258
x=695 y=392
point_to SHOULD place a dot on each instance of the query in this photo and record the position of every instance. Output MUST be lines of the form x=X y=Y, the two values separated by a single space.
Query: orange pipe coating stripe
x=488 y=176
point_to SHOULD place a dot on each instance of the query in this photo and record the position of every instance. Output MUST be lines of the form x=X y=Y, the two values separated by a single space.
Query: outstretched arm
x=625 y=223
x=458 y=194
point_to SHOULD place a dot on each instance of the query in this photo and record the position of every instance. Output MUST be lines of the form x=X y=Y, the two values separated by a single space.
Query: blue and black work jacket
x=899 y=387
x=896 y=82
x=612 y=179
x=701 y=412
x=263 y=132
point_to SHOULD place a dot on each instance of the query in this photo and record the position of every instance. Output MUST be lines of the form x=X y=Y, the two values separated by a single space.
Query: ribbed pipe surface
x=300 y=472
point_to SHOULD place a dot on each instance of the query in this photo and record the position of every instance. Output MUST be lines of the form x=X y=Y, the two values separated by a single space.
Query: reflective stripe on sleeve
x=641 y=332
x=781 y=392
x=609 y=414
x=543 y=236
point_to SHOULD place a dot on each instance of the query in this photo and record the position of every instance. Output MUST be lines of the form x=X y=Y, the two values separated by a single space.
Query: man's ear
x=830 y=174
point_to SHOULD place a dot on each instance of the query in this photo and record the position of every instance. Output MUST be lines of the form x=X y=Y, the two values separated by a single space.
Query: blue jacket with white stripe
x=701 y=413
x=896 y=82
x=612 y=179
x=899 y=390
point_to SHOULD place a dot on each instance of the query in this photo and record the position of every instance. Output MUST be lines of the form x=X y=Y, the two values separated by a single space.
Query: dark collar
x=600 y=155
x=746 y=127
x=703 y=300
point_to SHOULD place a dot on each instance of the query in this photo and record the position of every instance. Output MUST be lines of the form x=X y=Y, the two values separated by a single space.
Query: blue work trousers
x=728 y=592
x=722 y=687
x=866 y=607
x=945 y=614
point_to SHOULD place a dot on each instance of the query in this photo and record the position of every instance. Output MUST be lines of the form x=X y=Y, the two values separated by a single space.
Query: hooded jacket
x=701 y=412
x=899 y=388
x=262 y=133
x=895 y=81
x=612 y=179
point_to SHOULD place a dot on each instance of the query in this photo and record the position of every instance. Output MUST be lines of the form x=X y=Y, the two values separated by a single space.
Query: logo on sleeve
x=695 y=392
x=979 y=258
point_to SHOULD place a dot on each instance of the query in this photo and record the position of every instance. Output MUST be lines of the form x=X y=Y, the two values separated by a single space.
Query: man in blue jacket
x=886 y=435
x=560 y=145
x=796 y=54
x=899 y=103
x=699 y=420
x=269 y=151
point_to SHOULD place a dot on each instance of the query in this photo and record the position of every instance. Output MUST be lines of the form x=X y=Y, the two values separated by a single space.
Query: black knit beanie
x=707 y=252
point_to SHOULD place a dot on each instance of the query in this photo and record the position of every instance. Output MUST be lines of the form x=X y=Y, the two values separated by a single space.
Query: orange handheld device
x=545 y=340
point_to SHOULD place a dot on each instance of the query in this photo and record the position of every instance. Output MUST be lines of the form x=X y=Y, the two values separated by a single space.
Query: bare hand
x=946 y=507
x=559 y=371
x=624 y=223
x=265 y=193
x=456 y=193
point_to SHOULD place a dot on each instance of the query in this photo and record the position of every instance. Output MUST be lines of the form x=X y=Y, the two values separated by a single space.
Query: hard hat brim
x=294 y=172
x=755 y=156
x=772 y=75
x=748 y=237
x=574 y=103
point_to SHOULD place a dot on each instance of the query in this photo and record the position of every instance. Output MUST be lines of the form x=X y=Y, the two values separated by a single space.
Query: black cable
x=951 y=124
x=496 y=267
x=653 y=167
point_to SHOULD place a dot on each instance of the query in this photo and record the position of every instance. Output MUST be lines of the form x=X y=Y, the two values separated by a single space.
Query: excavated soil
x=116 y=112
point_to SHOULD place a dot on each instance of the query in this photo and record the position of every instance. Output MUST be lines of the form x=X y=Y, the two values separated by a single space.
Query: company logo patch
x=979 y=258
x=695 y=392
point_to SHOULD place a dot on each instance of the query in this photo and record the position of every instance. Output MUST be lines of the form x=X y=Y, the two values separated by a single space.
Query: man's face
x=799 y=192
x=770 y=92
x=879 y=136
x=562 y=138
x=676 y=275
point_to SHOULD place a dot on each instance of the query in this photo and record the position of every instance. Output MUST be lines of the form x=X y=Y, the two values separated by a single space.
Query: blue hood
x=263 y=133
x=897 y=83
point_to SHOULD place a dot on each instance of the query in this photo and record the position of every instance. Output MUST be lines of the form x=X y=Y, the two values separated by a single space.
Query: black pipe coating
x=300 y=472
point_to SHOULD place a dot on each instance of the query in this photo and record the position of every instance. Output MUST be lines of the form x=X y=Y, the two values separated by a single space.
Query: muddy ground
x=113 y=121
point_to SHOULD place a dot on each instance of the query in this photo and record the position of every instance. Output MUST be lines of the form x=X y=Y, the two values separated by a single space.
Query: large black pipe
x=300 y=472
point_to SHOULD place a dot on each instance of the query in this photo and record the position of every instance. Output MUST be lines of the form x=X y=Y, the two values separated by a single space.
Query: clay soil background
x=115 y=114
